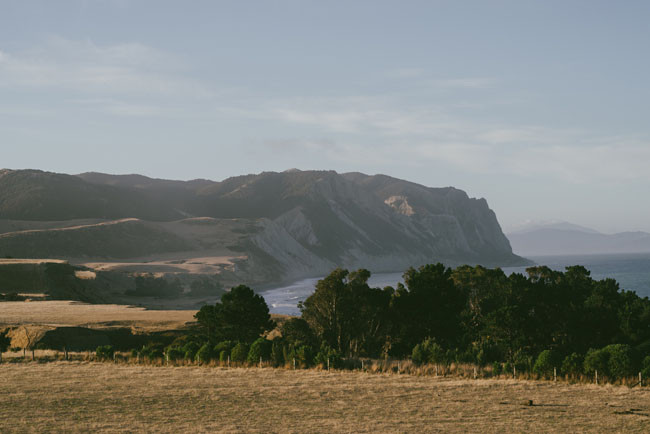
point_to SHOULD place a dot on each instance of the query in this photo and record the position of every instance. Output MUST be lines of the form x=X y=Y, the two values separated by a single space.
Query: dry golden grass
x=70 y=313
x=78 y=396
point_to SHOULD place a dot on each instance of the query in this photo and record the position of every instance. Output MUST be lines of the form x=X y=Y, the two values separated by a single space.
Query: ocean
x=631 y=271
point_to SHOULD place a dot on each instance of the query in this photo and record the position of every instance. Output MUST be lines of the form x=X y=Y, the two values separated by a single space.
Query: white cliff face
x=400 y=204
x=343 y=224
x=280 y=244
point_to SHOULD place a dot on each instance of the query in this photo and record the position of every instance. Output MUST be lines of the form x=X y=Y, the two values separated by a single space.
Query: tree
x=429 y=306
x=296 y=332
x=327 y=309
x=241 y=315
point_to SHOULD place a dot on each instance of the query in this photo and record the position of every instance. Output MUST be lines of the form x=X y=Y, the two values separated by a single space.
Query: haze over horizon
x=539 y=107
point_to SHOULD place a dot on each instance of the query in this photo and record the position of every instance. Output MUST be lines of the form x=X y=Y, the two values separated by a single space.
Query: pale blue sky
x=541 y=107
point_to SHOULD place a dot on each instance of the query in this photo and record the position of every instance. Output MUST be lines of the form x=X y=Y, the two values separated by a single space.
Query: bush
x=488 y=353
x=190 y=349
x=224 y=355
x=151 y=352
x=620 y=361
x=572 y=364
x=645 y=368
x=105 y=352
x=204 y=354
x=226 y=346
x=174 y=353
x=496 y=368
x=325 y=354
x=239 y=352
x=304 y=355
x=260 y=349
x=277 y=352
x=419 y=355
x=545 y=363
x=596 y=360
x=429 y=352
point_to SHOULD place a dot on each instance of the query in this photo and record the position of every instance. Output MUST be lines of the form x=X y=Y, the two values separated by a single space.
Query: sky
x=541 y=107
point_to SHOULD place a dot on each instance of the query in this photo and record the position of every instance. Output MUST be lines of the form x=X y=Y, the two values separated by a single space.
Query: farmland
x=80 y=396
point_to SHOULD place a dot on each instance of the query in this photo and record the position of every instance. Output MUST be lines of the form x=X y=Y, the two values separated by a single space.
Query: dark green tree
x=241 y=315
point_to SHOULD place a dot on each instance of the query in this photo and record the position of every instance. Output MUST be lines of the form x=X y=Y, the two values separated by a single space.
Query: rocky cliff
x=278 y=226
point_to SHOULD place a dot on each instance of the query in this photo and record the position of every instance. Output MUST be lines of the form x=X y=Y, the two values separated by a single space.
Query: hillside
x=266 y=228
x=576 y=240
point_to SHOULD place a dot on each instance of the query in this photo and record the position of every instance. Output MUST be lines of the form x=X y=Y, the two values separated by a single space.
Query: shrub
x=260 y=349
x=496 y=368
x=224 y=355
x=419 y=355
x=572 y=364
x=224 y=346
x=150 y=351
x=429 y=351
x=645 y=368
x=104 y=352
x=325 y=354
x=277 y=352
x=545 y=363
x=239 y=352
x=596 y=360
x=620 y=360
x=190 y=349
x=303 y=355
x=204 y=354
x=174 y=353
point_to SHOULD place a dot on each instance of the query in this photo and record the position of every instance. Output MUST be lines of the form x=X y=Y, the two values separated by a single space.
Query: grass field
x=60 y=313
x=76 y=396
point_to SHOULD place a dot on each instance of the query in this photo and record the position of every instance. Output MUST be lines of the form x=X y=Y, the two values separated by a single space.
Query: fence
x=379 y=366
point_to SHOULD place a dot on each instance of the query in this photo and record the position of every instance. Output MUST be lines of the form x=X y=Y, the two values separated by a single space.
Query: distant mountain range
x=562 y=238
x=266 y=227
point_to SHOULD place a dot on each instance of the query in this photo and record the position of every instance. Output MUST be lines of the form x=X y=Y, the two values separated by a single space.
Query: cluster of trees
x=536 y=322
x=478 y=315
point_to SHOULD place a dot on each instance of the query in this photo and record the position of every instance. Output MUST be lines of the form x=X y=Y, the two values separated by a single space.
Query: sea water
x=631 y=271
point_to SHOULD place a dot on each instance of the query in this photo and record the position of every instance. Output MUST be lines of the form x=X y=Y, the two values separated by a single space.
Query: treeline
x=536 y=322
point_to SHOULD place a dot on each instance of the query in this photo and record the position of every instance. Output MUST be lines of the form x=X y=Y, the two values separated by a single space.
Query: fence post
x=229 y=361
x=294 y=363
x=399 y=367
x=436 y=369
x=475 y=372
x=554 y=374
x=328 y=363
x=362 y=365
x=596 y=376
x=65 y=352
x=640 y=379
x=514 y=372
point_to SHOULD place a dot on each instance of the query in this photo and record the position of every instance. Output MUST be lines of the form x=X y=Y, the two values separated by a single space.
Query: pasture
x=84 y=396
